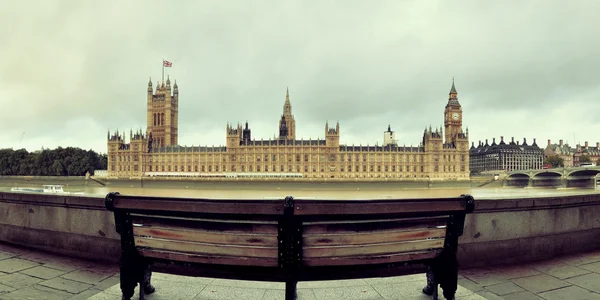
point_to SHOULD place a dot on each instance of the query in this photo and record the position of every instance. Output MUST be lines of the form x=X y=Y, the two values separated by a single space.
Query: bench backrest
x=290 y=233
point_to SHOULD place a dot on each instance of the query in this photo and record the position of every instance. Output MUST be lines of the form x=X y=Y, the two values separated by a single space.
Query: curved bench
x=289 y=240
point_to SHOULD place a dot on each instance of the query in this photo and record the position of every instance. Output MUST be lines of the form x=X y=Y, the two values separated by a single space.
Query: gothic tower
x=452 y=117
x=163 y=113
x=288 y=119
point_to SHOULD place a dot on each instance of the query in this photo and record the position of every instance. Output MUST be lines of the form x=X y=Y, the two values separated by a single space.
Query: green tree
x=585 y=159
x=57 y=162
x=555 y=161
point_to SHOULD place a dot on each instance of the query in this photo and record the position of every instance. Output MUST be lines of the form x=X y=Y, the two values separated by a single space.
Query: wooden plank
x=225 y=206
x=206 y=248
x=234 y=226
x=210 y=237
x=365 y=207
x=372 y=249
x=349 y=226
x=373 y=237
x=369 y=260
x=209 y=259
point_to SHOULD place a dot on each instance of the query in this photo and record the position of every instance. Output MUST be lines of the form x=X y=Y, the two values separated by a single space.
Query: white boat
x=48 y=188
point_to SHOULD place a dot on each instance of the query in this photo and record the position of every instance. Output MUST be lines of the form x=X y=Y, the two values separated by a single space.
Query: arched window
x=154 y=119
x=162 y=119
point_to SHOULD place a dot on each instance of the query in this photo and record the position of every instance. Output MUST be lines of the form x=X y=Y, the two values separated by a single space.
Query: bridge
x=564 y=177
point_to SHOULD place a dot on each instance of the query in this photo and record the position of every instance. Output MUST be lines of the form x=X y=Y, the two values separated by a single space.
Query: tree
x=585 y=159
x=57 y=162
x=555 y=161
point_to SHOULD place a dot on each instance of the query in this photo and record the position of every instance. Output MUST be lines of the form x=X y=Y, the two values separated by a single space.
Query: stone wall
x=499 y=231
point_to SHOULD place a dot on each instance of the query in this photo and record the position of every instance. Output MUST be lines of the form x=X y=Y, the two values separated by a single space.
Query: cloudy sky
x=71 y=70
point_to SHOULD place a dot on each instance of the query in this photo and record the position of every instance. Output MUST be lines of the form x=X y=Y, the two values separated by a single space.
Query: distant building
x=505 y=157
x=443 y=153
x=101 y=173
x=561 y=150
x=592 y=152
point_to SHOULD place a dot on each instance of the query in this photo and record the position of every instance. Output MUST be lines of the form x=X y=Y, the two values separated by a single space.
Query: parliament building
x=443 y=153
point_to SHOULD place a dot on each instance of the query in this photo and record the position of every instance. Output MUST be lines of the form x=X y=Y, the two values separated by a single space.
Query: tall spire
x=453 y=89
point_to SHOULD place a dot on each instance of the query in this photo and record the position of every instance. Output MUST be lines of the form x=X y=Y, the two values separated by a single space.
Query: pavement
x=32 y=274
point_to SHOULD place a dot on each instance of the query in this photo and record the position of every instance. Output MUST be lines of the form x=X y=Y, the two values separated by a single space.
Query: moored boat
x=48 y=188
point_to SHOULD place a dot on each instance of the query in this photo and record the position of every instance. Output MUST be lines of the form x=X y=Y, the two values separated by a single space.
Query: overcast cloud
x=71 y=70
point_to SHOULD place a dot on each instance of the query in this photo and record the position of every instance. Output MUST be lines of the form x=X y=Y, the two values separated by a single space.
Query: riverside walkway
x=31 y=274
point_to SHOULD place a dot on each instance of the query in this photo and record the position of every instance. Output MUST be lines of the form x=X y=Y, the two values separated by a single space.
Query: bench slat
x=242 y=207
x=307 y=207
x=373 y=237
x=188 y=234
x=206 y=248
x=369 y=260
x=372 y=249
x=210 y=259
x=346 y=226
x=233 y=226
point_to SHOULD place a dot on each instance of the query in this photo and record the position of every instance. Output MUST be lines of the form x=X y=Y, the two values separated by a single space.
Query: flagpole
x=163 y=70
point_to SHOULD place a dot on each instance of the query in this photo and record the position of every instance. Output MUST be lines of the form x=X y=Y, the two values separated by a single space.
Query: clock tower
x=452 y=116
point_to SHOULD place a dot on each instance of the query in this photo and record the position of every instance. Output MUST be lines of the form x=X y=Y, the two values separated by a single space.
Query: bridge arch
x=548 y=174
x=518 y=176
x=586 y=172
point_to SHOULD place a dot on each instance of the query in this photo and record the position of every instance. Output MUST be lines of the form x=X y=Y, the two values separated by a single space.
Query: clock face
x=455 y=116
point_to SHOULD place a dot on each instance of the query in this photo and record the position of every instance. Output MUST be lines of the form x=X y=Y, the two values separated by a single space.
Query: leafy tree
x=585 y=159
x=555 y=161
x=58 y=162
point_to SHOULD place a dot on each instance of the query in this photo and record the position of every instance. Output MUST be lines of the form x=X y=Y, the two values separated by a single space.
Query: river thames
x=257 y=190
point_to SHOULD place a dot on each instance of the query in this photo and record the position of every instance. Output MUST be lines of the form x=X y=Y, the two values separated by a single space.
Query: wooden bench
x=289 y=240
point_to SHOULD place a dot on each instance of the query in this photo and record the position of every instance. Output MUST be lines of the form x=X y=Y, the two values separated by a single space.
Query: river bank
x=236 y=183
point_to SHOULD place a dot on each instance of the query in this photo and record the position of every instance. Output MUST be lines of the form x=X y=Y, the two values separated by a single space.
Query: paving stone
x=582 y=258
x=18 y=280
x=504 y=288
x=486 y=278
x=106 y=296
x=107 y=283
x=511 y=272
x=89 y=276
x=594 y=267
x=73 y=287
x=399 y=290
x=489 y=295
x=43 y=272
x=305 y=294
x=540 y=283
x=330 y=283
x=526 y=295
x=398 y=279
x=469 y=285
x=12 y=265
x=87 y=294
x=249 y=284
x=589 y=281
x=571 y=293
x=355 y=292
x=178 y=278
x=468 y=297
x=566 y=271
x=67 y=265
x=5 y=289
x=166 y=290
x=227 y=292
x=5 y=255
x=37 y=292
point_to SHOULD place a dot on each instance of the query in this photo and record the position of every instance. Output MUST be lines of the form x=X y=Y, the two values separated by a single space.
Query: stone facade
x=562 y=150
x=505 y=157
x=442 y=153
x=571 y=155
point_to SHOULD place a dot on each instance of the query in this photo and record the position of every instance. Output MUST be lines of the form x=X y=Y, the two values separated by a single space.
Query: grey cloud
x=72 y=70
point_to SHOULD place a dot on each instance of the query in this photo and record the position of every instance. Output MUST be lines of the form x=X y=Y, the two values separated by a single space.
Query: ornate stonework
x=155 y=152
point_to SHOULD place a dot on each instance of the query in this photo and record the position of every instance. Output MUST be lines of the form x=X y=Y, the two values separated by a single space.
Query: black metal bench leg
x=128 y=282
x=290 y=290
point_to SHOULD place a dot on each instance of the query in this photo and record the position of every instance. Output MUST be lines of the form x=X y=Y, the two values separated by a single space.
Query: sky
x=72 y=70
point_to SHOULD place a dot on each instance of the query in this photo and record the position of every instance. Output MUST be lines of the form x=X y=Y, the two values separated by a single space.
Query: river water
x=319 y=191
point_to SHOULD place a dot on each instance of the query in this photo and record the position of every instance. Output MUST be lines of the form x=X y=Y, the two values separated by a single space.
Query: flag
x=167 y=63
